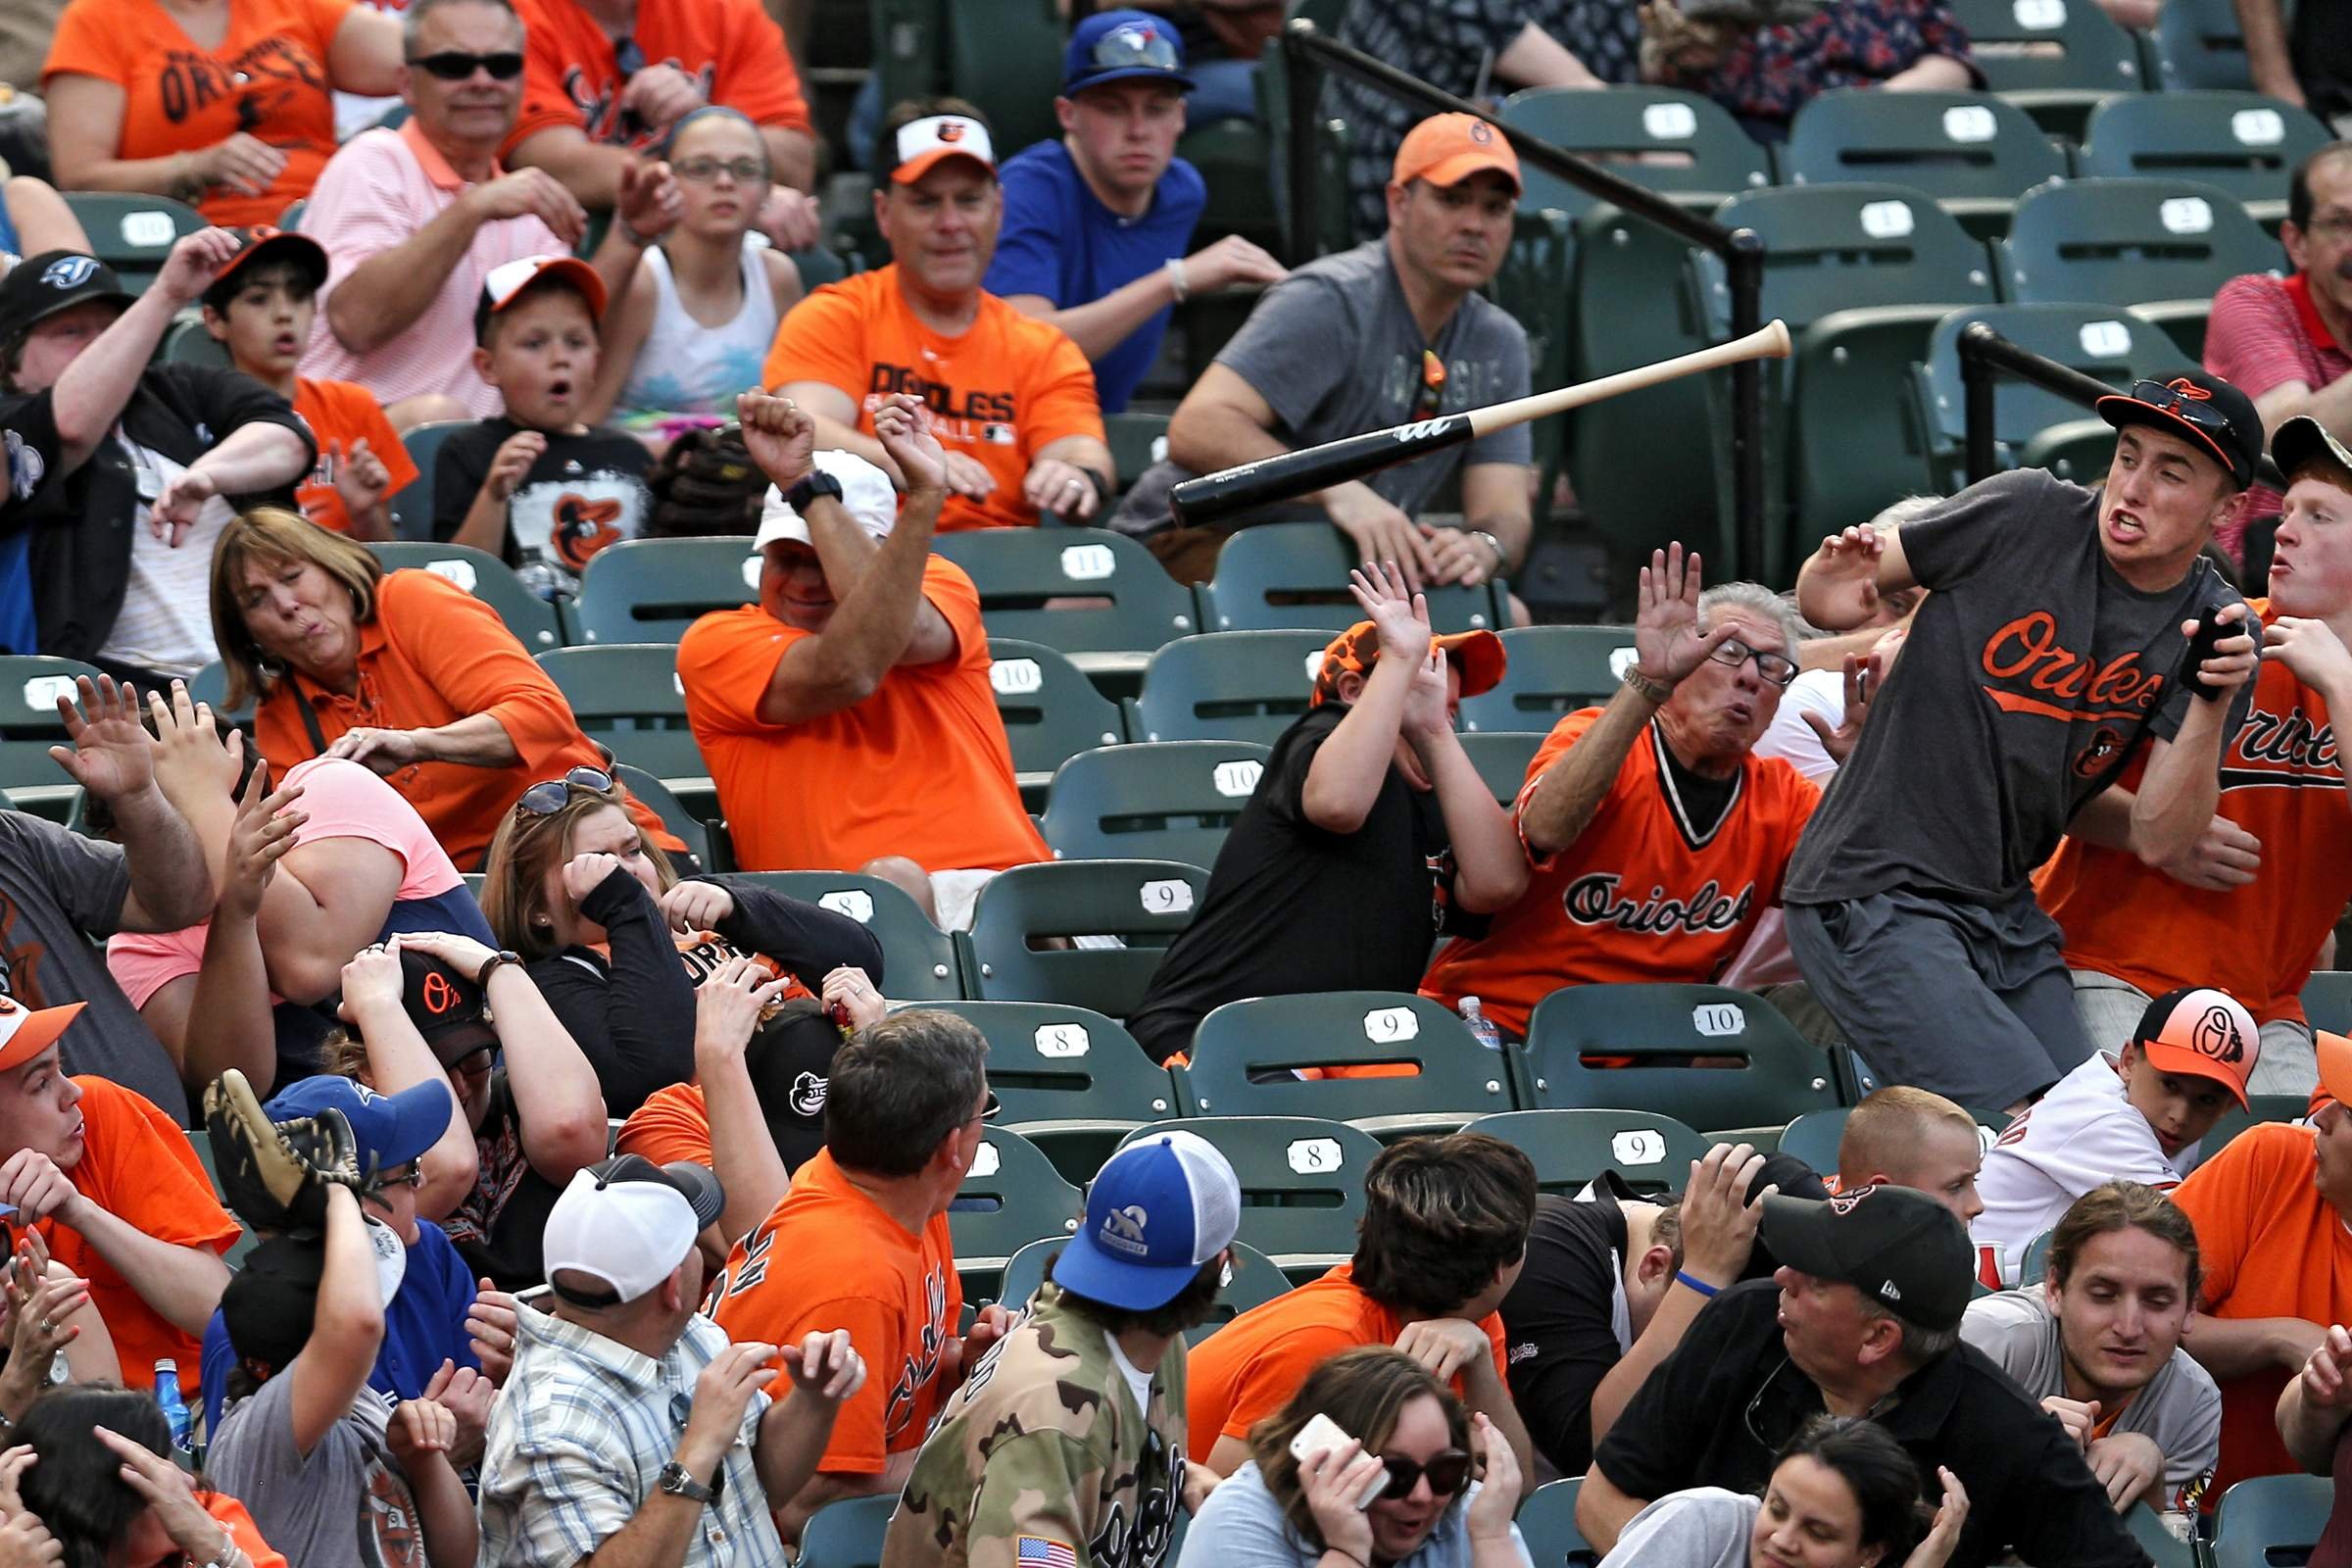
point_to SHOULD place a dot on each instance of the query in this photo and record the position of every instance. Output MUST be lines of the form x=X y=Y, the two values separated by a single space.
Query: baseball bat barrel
x=1287 y=475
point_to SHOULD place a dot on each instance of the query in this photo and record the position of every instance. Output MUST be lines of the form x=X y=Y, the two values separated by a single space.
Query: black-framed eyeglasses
x=475 y=1062
x=627 y=56
x=2185 y=400
x=414 y=1178
x=702 y=170
x=454 y=64
x=550 y=795
x=1448 y=1472
x=1777 y=669
x=1124 y=47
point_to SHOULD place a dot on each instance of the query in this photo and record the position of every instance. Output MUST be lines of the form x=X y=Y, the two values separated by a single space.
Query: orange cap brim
x=921 y=163
x=2187 y=1063
x=40 y=1030
x=583 y=277
x=1449 y=172
x=1479 y=656
x=2336 y=1068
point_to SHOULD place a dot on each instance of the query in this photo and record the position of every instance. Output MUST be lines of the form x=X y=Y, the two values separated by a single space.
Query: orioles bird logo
x=2186 y=388
x=1843 y=1203
x=1481 y=133
x=583 y=527
x=2106 y=744
x=2217 y=1036
x=951 y=130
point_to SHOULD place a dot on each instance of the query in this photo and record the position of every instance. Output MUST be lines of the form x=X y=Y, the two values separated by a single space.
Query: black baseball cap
x=39 y=286
x=2202 y=410
x=272 y=1298
x=264 y=243
x=1896 y=1245
x=447 y=1008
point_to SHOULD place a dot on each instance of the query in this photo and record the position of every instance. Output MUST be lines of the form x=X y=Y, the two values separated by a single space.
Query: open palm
x=110 y=755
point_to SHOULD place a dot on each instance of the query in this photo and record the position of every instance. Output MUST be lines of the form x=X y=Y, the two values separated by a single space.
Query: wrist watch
x=678 y=1484
x=493 y=963
x=816 y=482
x=1647 y=687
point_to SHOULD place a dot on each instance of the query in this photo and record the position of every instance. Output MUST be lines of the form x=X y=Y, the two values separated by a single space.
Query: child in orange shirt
x=259 y=307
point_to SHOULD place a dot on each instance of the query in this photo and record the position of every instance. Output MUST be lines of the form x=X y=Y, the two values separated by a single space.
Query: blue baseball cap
x=1122 y=46
x=391 y=1130
x=1157 y=1211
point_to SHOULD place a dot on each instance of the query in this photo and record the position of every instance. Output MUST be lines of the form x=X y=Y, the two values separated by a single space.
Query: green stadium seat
x=2239 y=142
x=847 y=1533
x=1845 y=246
x=651 y=590
x=1502 y=757
x=1011 y=1194
x=2197 y=45
x=1163 y=801
x=699 y=839
x=1137 y=441
x=413 y=505
x=1051 y=711
x=1856 y=438
x=1231 y=156
x=531 y=619
x=1144 y=903
x=2164 y=1548
x=1973 y=152
x=2057 y=60
x=1552 y=672
x=1227 y=686
x=1547 y=1522
x=2327 y=999
x=1301 y=1181
x=29 y=686
x=1284 y=575
x=2107 y=342
x=1535 y=284
x=2270 y=1520
x=1679 y=144
x=909 y=61
x=2259 y=1108
x=627 y=700
x=1245 y=1056
x=1256 y=1282
x=1570 y=1147
x=918 y=957
x=1006 y=58
x=211 y=685
x=2081 y=449
x=1070 y=1081
x=1098 y=596
x=1664 y=1029
x=189 y=343
x=131 y=231
x=202 y=1141
x=1814 y=1138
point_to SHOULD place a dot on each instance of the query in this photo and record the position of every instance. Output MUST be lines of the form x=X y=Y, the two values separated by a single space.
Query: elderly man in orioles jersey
x=1655 y=834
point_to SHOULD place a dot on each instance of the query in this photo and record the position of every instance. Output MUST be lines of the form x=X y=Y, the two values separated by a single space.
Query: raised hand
x=2234 y=658
x=583 y=875
x=727 y=1005
x=2223 y=856
x=463 y=954
x=373 y=978
x=379 y=751
x=1945 y=1533
x=779 y=434
x=850 y=995
x=1490 y=1512
x=1330 y=1480
x=492 y=1327
x=197 y=259
x=1843 y=579
x=1229 y=261
x=1719 y=1221
x=647 y=200
x=902 y=424
x=1667 y=641
x=1428 y=703
x=722 y=1394
x=361 y=477
x=695 y=906
x=1394 y=608
x=825 y=1366
x=109 y=753
x=1863 y=676
x=167 y=1489
x=789 y=219
x=512 y=463
x=531 y=193
x=261 y=836
x=193 y=765
x=181 y=502
x=2313 y=651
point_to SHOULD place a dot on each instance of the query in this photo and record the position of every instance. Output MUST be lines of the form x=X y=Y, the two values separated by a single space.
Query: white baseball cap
x=865 y=490
x=922 y=143
x=628 y=1223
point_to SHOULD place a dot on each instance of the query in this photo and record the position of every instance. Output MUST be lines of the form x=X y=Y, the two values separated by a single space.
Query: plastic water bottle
x=176 y=1413
x=1481 y=1028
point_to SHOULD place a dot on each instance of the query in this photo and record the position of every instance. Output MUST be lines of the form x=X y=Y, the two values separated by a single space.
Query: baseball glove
x=275 y=1175
x=705 y=484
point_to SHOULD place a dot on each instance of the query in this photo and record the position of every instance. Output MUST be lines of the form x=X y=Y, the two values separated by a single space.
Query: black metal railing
x=1307 y=53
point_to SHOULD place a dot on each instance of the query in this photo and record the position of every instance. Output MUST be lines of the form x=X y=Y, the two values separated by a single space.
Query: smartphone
x=1320 y=1433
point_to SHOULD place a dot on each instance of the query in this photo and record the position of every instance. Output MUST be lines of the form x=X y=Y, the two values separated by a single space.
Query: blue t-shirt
x=423 y=1326
x=1062 y=242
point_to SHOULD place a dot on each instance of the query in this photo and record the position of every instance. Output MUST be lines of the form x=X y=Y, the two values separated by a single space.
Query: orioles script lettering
x=2027 y=649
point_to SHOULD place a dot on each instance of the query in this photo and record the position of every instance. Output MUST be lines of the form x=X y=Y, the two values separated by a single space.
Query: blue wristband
x=1698 y=1285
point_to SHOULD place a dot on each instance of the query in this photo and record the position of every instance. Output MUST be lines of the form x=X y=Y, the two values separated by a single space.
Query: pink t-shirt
x=377 y=191
x=2265 y=332
x=345 y=801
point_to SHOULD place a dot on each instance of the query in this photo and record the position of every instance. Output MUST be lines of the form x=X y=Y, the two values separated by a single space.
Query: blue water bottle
x=175 y=1413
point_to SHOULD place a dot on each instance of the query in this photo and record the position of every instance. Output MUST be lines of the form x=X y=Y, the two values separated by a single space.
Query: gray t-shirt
x=343 y=1505
x=1242 y=1525
x=2179 y=1409
x=2033 y=674
x=1335 y=352
x=1706 y=1527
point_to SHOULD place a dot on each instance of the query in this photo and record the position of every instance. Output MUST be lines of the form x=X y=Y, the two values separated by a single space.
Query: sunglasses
x=480 y=1060
x=1447 y=1474
x=2185 y=400
x=1124 y=47
x=452 y=65
x=702 y=170
x=550 y=795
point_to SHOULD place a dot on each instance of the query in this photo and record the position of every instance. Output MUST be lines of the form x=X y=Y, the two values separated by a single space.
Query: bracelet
x=1684 y=1277
x=1177 y=284
x=1342 y=1552
x=1502 y=557
x=629 y=233
x=228 y=1555
x=492 y=965
x=1650 y=690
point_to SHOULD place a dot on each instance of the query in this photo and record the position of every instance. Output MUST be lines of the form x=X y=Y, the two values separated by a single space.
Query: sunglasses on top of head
x=550 y=795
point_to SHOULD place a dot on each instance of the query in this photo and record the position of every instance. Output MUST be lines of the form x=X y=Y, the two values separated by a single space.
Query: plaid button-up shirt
x=578 y=1441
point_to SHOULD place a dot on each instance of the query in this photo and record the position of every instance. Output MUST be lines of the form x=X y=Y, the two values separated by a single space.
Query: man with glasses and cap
x=2067 y=632
x=1067 y=1439
x=630 y=1429
x=1096 y=225
x=1861 y=1319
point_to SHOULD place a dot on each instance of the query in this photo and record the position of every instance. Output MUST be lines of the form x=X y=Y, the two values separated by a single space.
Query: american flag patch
x=1035 y=1552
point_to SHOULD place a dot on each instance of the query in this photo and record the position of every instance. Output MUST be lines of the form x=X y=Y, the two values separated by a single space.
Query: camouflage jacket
x=1041 y=1459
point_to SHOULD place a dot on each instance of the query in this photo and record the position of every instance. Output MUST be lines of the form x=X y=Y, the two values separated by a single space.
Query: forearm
x=656 y=1538
x=834 y=435
x=2266 y=57
x=831 y=1486
x=1572 y=789
x=1616 y=1390
x=1100 y=325
x=1496 y=1551
x=1512 y=527
x=2309 y=1431
x=372 y=523
x=556 y=1100
x=181 y=1283
x=1535 y=59
x=876 y=620
x=168 y=879
x=791 y=157
x=641 y=1037
x=445 y=1511
x=590 y=170
x=2234 y=1347
x=1206 y=436
x=254 y=457
x=1931 y=73
x=792 y=1434
x=485 y=526
x=229 y=1024
x=805 y=939
x=383 y=296
x=1351 y=765
x=1484 y=1392
x=398 y=1058
x=174 y=174
x=2105 y=819
x=1602 y=1512
x=91 y=392
x=2181 y=787
x=476 y=741
x=1489 y=870
x=615 y=261
x=743 y=1153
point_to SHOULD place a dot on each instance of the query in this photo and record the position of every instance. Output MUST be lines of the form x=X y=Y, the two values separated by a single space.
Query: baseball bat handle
x=1289 y=475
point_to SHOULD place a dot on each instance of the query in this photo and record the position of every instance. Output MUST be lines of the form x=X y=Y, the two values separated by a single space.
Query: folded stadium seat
x=1387 y=1061
x=2107 y=342
x=1051 y=711
x=1676 y=143
x=1160 y=800
x=1570 y=1147
x=2057 y=60
x=1552 y=672
x=2196 y=43
x=708 y=848
x=651 y=590
x=1814 y=1138
x=2035 y=1266
x=1005 y=56
x=531 y=619
x=2328 y=1001
x=1137 y=441
x=1256 y=1282
x=1534 y=284
x=1070 y=1081
x=1011 y=1195
x=1283 y=575
x=2270 y=1519
x=918 y=957
x=133 y=232
x=2081 y=449
x=1502 y=757
x=847 y=1533
x=413 y=505
x=1142 y=903
x=1546 y=1521
x=1227 y=686
x=1661 y=1032
x=29 y=686
x=907 y=39
x=2238 y=142
x=1301 y=1181
x=1098 y=596
x=210 y=685
x=627 y=700
x=189 y=342
x=1975 y=153
x=2258 y=1108
x=2161 y=246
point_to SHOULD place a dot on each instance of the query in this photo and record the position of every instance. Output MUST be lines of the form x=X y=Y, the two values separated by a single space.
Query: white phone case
x=1321 y=1433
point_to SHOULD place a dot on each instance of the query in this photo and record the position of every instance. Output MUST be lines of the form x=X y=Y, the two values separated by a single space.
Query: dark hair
x=1189 y=1308
x=2298 y=185
x=901 y=1086
x=1440 y=1215
x=98 y=813
x=77 y=1488
x=1875 y=1468
x=1363 y=1391
x=223 y=290
x=2118 y=1206
x=907 y=113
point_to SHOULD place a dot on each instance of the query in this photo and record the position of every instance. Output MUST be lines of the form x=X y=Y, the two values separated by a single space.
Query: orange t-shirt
x=920 y=769
x=138 y=1165
x=2282 y=783
x=1249 y=1368
x=433 y=655
x=231 y=1515
x=1640 y=896
x=345 y=412
x=268 y=77
x=1006 y=388
x=846 y=1265
x=731 y=48
x=673 y=1124
x=2271 y=1246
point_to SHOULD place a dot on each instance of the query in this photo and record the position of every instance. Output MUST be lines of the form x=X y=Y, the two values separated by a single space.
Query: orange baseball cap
x=1478 y=655
x=26 y=1032
x=920 y=144
x=2336 y=1068
x=1448 y=149
x=2201 y=1032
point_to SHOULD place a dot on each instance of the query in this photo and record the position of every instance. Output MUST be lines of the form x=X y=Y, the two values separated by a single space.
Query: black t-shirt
x=2319 y=43
x=500 y=1225
x=1291 y=909
x=1560 y=1321
x=1715 y=1412
x=585 y=492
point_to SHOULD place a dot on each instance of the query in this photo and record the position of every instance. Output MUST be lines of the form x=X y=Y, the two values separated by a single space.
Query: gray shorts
x=1971 y=1002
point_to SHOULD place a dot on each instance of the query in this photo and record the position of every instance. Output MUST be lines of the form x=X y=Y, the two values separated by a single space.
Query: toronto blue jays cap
x=1122 y=46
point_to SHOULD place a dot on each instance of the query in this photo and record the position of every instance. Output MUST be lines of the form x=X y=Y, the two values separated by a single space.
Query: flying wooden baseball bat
x=1296 y=473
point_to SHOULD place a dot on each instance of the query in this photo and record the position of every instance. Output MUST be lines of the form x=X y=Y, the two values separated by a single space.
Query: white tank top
x=687 y=368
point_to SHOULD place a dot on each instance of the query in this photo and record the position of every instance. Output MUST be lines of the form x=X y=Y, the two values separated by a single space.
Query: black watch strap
x=493 y=963
x=816 y=482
